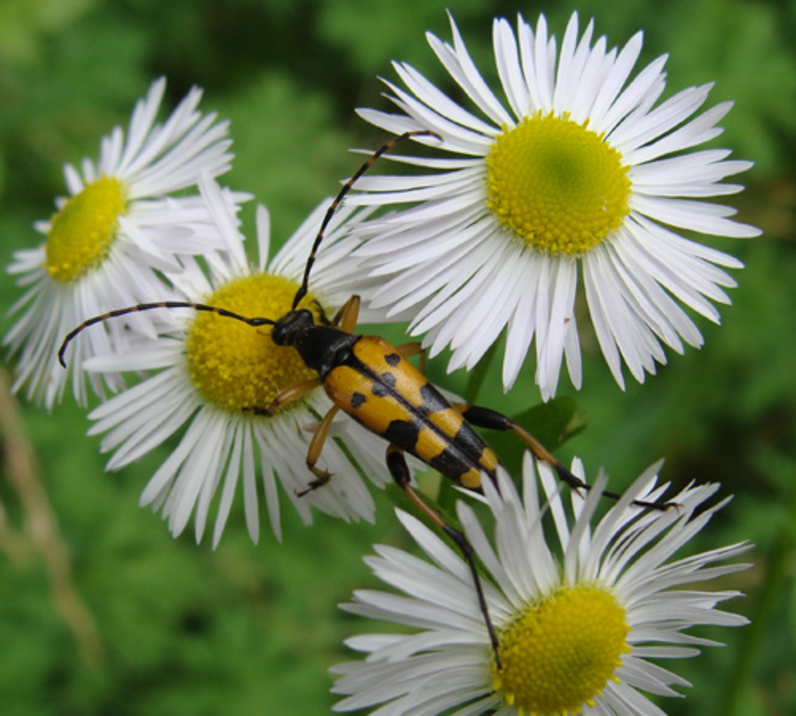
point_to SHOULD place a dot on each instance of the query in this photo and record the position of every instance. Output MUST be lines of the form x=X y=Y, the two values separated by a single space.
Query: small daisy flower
x=212 y=371
x=119 y=227
x=577 y=171
x=577 y=624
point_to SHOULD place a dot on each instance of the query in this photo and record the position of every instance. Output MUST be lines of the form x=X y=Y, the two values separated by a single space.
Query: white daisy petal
x=461 y=67
x=421 y=87
x=230 y=482
x=699 y=130
x=637 y=98
x=508 y=63
x=616 y=77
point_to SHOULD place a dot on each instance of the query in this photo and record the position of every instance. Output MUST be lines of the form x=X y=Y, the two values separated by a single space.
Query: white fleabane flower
x=212 y=371
x=119 y=227
x=578 y=622
x=578 y=170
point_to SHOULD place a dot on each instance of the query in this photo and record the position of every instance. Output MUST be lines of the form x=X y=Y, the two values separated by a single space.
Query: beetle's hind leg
x=396 y=462
x=492 y=420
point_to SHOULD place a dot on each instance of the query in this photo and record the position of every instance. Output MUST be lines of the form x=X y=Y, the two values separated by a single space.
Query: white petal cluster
x=155 y=235
x=445 y=661
x=448 y=265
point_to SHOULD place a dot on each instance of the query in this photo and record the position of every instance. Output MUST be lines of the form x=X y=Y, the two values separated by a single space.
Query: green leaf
x=554 y=422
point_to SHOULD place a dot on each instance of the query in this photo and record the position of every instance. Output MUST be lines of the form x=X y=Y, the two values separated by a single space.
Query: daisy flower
x=580 y=169
x=577 y=624
x=119 y=227
x=210 y=372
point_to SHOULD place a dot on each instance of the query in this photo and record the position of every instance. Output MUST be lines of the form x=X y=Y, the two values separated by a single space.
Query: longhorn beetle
x=371 y=380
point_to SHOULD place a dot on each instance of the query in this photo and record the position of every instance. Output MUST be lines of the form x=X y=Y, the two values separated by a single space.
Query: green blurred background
x=102 y=612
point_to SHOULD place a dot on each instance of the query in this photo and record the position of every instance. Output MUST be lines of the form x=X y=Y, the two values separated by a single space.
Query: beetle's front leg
x=288 y=395
x=348 y=315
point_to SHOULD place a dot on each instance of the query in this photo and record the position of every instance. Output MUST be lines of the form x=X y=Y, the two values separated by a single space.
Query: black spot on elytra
x=433 y=402
x=470 y=441
x=403 y=434
x=392 y=359
x=450 y=463
x=429 y=396
x=379 y=390
x=357 y=399
x=388 y=379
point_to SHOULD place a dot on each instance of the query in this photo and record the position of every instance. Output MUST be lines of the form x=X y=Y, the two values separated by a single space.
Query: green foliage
x=252 y=629
x=286 y=175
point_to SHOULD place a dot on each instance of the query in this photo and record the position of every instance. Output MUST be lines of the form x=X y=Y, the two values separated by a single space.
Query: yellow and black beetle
x=372 y=381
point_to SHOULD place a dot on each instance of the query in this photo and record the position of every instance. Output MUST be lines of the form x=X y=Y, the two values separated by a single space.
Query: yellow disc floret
x=562 y=651
x=556 y=185
x=238 y=367
x=82 y=232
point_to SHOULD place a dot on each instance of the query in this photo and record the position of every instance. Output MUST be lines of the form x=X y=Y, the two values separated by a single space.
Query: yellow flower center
x=556 y=185
x=82 y=232
x=560 y=654
x=238 y=367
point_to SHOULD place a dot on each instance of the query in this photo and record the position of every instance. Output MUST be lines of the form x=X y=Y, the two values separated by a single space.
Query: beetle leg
x=314 y=452
x=407 y=350
x=288 y=395
x=346 y=318
x=349 y=323
x=491 y=419
x=323 y=319
x=396 y=462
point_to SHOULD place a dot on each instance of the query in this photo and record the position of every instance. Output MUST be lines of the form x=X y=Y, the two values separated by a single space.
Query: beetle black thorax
x=321 y=347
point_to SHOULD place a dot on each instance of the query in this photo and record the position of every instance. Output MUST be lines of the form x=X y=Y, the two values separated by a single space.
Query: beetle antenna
x=150 y=306
x=386 y=147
